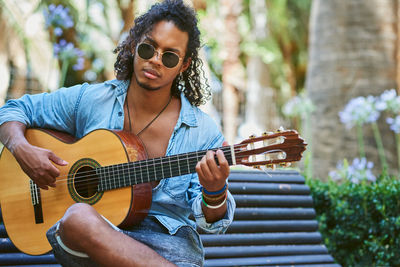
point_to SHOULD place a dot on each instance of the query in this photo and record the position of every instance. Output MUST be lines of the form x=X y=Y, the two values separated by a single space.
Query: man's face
x=152 y=74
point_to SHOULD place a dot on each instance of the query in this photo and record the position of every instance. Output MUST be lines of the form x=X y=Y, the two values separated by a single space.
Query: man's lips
x=151 y=74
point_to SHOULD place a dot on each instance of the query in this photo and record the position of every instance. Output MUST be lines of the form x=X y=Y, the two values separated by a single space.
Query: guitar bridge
x=36 y=202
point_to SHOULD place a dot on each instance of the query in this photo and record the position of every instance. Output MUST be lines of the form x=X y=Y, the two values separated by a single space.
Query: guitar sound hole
x=86 y=181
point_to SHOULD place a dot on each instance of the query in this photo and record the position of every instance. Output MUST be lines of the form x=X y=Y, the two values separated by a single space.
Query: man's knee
x=77 y=223
x=78 y=216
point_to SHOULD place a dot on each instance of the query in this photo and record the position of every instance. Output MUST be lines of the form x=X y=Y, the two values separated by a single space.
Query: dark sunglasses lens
x=145 y=51
x=170 y=59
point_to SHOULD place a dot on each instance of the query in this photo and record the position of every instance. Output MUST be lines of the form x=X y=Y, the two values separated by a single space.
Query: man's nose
x=157 y=57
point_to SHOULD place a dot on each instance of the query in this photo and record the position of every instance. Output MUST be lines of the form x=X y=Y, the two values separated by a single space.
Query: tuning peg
x=281 y=129
x=284 y=164
x=252 y=136
x=271 y=166
x=257 y=167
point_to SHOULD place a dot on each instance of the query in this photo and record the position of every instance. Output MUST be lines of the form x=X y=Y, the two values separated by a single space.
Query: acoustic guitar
x=109 y=170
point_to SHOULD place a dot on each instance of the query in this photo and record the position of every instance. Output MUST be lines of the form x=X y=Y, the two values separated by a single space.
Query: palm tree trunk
x=351 y=53
x=231 y=10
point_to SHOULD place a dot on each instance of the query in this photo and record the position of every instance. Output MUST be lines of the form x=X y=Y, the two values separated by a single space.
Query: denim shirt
x=81 y=109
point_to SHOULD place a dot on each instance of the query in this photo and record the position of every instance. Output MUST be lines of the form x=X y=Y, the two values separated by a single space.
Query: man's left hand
x=212 y=176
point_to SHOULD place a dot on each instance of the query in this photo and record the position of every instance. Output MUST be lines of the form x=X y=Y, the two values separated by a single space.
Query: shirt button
x=120 y=113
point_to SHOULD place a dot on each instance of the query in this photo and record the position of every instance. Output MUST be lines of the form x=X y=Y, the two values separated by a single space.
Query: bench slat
x=21 y=258
x=285 y=176
x=274 y=213
x=270 y=261
x=268 y=188
x=251 y=251
x=7 y=246
x=273 y=201
x=273 y=226
x=261 y=239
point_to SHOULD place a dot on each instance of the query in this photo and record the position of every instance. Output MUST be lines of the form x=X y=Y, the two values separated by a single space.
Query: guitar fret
x=170 y=167
x=162 y=169
x=155 y=171
x=141 y=173
x=179 y=166
x=192 y=163
x=158 y=170
x=147 y=168
x=109 y=177
x=135 y=172
x=105 y=178
x=118 y=176
x=188 y=164
x=113 y=184
x=125 y=173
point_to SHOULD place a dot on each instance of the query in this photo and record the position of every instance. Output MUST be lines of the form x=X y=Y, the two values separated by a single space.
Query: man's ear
x=186 y=64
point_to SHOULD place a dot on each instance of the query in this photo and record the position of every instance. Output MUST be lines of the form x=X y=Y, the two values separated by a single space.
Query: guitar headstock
x=281 y=147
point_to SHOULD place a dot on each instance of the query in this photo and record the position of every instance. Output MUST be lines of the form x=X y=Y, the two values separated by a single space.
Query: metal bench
x=274 y=225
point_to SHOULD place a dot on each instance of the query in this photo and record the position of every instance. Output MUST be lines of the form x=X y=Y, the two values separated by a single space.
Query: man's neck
x=148 y=101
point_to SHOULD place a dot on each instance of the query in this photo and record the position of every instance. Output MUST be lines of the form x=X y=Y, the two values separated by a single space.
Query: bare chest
x=155 y=137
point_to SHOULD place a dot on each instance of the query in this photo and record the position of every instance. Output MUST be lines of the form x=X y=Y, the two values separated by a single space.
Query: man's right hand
x=37 y=163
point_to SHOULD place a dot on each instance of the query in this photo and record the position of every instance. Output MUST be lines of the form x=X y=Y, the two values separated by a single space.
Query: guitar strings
x=224 y=149
x=118 y=183
x=151 y=168
x=152 y=164
x=93 y=176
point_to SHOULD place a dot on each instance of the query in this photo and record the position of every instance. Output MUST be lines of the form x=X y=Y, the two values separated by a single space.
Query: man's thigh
x=184 y=248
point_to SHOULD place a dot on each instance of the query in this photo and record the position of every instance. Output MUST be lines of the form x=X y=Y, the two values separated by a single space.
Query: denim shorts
x=183 y=248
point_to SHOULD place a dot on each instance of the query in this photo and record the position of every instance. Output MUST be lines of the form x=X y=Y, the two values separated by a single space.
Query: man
x=155 y=97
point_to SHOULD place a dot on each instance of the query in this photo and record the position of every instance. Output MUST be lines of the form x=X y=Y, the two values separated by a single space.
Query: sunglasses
x=168 y=58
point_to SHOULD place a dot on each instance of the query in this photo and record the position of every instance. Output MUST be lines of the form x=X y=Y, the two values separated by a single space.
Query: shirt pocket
x=177 y=187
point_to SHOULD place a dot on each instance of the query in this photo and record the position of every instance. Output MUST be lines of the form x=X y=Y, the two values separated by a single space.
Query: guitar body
x=26 y=225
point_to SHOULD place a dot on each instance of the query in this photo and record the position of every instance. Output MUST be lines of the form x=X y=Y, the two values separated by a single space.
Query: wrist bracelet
x=215 y=192
x=212 y=199
x=216 y=206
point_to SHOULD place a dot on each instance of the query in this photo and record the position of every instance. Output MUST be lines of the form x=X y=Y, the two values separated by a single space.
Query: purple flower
x=394 y=124
x=79 y=64
x=66 y=51
x=58 y=31
x=359 y=170
x=389 y=101
x=358 y=111
x=58 y=17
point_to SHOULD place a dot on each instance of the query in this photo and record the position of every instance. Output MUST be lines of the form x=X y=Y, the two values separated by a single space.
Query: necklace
x=147 y=126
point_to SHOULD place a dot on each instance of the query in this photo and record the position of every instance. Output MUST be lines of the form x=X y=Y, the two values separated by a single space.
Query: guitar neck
x=145 y=171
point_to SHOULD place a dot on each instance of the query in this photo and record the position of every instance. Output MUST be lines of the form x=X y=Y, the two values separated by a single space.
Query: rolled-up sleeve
x=55 y=110
x=217 y=227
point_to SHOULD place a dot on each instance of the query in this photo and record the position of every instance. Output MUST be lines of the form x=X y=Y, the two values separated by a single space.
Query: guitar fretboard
x=145 y=171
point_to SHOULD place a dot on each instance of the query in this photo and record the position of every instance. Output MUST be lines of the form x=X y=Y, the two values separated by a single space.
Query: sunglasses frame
x=156 y=52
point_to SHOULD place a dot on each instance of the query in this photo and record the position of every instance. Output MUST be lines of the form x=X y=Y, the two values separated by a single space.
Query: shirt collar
x=120 y=86
x=187 y=114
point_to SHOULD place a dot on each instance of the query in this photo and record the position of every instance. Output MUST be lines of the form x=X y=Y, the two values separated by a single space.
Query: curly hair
x=185 y=20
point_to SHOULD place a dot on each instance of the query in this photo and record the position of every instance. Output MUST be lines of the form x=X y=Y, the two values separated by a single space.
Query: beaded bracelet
x=215 y=192
x=218 y=199
x=216 y=206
